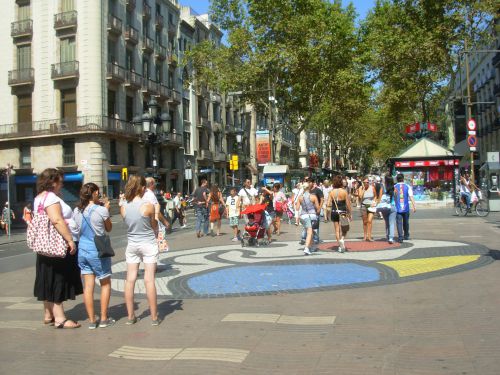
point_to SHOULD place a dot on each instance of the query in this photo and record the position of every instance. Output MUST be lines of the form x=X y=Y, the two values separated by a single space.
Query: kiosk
x=489 y=180
x=276 y=173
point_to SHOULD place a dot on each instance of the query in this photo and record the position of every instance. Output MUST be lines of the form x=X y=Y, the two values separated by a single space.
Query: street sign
x=492 y=157
x=472 y=148
x=471 y=132
x=471 y=125
x=472 y=141
x=188 y=174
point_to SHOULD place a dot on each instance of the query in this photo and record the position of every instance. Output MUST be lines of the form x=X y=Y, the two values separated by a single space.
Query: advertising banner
x=263 y=147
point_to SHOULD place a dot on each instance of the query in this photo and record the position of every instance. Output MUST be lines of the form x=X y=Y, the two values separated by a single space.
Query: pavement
x=427 y=306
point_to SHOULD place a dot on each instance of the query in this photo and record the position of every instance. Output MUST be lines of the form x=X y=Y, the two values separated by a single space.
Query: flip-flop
x=63 y=326
x=49 y=322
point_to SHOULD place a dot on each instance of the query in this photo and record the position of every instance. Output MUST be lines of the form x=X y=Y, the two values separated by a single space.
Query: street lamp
x=152 y=128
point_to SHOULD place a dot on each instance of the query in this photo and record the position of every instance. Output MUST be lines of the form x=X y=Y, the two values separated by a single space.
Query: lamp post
x=188 y=174
x=152 y=128
x=239 y=140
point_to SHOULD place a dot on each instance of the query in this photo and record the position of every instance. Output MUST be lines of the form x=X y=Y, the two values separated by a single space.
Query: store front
x=430 y=168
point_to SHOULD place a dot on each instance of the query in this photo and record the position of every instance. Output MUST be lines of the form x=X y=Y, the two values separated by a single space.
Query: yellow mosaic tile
x=410 y=267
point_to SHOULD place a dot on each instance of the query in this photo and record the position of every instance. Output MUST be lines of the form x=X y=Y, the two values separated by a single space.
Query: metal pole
x=469 y=106
x=8 y=218
x=271 y=129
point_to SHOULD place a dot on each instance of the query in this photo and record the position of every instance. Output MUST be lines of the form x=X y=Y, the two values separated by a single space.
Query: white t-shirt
x=252 y=192
x=326 y=192
x=150 y=197
x=177 y=202
x=231 y=203
x=67 y=213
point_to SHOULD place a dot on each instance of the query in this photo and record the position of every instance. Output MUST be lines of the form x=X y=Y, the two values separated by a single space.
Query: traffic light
x=124 y=174
x=234 y=160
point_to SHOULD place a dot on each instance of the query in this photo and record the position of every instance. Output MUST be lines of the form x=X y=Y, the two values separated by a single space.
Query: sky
x=201 y=6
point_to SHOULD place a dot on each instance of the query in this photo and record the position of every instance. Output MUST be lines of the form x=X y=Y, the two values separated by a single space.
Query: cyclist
x=466 y=189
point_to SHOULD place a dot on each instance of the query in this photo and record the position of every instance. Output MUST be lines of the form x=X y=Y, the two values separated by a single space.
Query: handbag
x=162 y=238
x=102 y=242
x=343 y=218
x=42 y=237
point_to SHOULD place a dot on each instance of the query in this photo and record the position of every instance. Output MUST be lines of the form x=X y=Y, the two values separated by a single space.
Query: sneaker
x=155 y=322
x=391 y=241
x=184 y=226
x=132 y=321
x=93 y=325
x=341 y=246
x=235 y=239
x=106 y=323
x=340 y=250
x=306 y=251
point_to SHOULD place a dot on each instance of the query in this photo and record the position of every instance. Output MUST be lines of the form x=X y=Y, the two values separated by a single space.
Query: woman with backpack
x=217 y=208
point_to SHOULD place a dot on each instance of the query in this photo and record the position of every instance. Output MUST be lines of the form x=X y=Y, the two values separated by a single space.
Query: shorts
x=306 y=220
x=233 y=221
x=279 y=214
x=336 y=216
x=144 y=252
x=91 y=264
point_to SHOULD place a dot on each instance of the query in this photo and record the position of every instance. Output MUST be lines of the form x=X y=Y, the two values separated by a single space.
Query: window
x=158 y=38
x=111 y=103
x=67 y=5
x=68 y=104
x=185 y=109
x=112 y=52
x=112 y=6
x=170 y=83
x=68 y=147
x=67 y=50
x=24 y=56
x=24 y=112
x=130 y=152
x=145 y=67
x=25 y=152
x=173 y=159
x=129 y=108
x=113 y=158
x=129 y=60
x=23 y=12
x=187 y=143
x=172 y=119
x=159 y=72
x=216 y=108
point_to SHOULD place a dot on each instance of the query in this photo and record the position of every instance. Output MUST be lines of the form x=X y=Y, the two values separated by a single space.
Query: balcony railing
x=172 y=59
x=114 y=25
x=216 y=126
x=160 y=52
x=172 y=28
x=147 y=44
x=66 y=20
x=174 y=138
x=165 y=92
x=206 y=123
x=206 y=154
x=65 y=70
x=150 y=87
x=84 y=124
x=22 y=77
x=115 y=73
x=133 y=80
x=69 y=159
x=176 y=96
x=130 y=4
x=146 y=11
x=216 y=97
x=131 y=35
x=159 y=22
x=21 y=28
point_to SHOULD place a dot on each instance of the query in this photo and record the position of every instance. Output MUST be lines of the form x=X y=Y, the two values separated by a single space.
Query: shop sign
x=426 y=163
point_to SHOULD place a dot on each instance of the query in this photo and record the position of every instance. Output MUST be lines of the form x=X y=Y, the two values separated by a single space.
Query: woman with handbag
x=217 y=208
x=279 y=202
x=367 y=196
x=57 y=277
x=340 y=202
x=93 y=220
x=139 y=218
x=308 y=205
x=387 y=208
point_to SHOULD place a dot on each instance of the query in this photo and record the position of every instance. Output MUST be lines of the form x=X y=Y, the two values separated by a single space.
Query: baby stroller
x=255 y=229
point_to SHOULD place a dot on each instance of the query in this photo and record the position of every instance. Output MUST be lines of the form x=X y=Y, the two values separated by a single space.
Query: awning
x=73 y=177
x=114 y=176
x=275 y=169
x=491 y=166
x=26 y=179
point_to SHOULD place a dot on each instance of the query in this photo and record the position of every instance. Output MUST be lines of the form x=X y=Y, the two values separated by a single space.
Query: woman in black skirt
x=57 y=279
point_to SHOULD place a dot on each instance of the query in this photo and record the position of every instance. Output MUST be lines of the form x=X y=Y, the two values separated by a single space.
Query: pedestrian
x=327 y=188
x=57 y=279
x=233 y=213
x=27 y=213
x=403 y=195
x=340 y=202
x=387 y=208
x=93 y=219
x=315 y=190
x=309 y=207
x=247 y=195
x=178 y=211
x=296 y=193
x=150 y=197
x=217 y=208
x=7 y=216
x=367 y=197
x=200 y=202
x=140 y=219
x=266 y=198
x=279 y=202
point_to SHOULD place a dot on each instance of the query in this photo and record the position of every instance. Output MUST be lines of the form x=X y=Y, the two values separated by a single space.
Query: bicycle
x=480 y=207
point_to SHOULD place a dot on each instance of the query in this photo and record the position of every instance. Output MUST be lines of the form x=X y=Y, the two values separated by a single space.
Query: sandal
x=63 y=325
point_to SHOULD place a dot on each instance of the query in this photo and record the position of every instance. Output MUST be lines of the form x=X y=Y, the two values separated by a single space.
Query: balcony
x=114 y=25
x=21 y=77
x=165 y=92
x=205 y=123
x=66 y=21
x=230 y=129
x=172 y=59
x=159 y=22
x=160 y=52
x=130 y=5
x=176 y=97
x=131 y=35
x=133 y=80
x=146 y=11
x=216 y=97
x=150 y=87
x=115 y=73
x=206 y=154
x=21 y=29
x=56 y=127
x=201 y=90
x=174 y=139
x=220 y=156
x=65 y=70
x=147 y=45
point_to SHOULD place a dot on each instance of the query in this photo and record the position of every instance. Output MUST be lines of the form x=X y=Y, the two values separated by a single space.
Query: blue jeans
x=467 y=196
x=403 y=222
x=390 y=221
x=201 y=214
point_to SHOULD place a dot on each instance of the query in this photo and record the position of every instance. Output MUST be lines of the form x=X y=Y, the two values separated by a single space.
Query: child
x=252 y=227
x=233 y=213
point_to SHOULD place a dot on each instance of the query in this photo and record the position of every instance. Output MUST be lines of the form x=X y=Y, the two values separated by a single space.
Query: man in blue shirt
x=403 y=195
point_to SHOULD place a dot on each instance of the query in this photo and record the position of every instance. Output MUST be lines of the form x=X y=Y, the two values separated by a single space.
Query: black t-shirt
x=267 y=199
x=198 y=194
x=318 y=193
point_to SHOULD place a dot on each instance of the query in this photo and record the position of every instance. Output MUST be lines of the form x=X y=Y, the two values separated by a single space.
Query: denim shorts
x=91 y=264
x=306 y=220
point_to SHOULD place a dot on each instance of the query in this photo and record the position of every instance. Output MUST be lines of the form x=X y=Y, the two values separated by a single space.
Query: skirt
x=57 y=279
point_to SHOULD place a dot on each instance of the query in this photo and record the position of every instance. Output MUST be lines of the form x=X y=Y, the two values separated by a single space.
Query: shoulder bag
x=42 y=237
x=102 y=242
x=343 y=218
